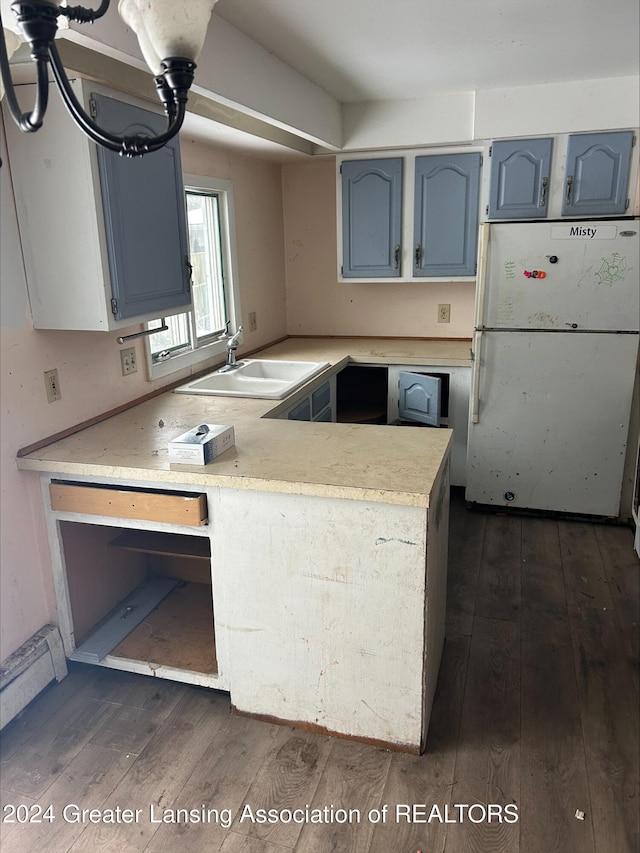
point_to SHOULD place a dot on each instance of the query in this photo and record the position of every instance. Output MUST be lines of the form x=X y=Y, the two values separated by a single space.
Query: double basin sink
x=263 y=378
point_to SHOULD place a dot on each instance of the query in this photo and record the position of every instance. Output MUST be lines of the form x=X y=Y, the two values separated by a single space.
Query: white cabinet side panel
x=324 y=611
x=59 y=210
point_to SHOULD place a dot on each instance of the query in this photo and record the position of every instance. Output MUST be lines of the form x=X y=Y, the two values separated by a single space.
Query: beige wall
x=89 y=370
x=317 y=304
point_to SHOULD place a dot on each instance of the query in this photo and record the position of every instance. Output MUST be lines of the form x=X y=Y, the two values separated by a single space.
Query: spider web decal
x=613 y=268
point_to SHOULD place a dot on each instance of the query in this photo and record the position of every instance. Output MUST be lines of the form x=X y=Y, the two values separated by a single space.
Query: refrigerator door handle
x=483 y=252
x=481 y=277
x=475 y=377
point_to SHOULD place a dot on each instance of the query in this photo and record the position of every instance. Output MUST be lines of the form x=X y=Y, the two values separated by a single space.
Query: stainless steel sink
x=263 y=378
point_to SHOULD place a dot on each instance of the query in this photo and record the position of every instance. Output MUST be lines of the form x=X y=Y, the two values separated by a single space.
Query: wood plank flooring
x=536 y=714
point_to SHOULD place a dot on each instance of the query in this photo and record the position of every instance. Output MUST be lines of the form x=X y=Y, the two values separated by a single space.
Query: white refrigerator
x=555 y=352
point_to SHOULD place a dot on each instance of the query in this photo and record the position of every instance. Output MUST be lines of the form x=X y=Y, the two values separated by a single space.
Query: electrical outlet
x=253 y=321
x=444 y=313
x=52 y=385
x=128 y=361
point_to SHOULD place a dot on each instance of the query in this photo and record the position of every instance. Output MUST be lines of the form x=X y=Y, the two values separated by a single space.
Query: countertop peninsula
x=362 y=462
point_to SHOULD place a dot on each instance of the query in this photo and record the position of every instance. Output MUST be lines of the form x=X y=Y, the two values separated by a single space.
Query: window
x=193 y=337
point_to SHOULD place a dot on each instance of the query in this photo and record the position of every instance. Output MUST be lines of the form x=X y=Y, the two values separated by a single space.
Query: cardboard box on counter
x=202 y=444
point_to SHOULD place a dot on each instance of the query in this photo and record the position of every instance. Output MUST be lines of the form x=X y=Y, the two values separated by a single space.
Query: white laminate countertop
x=358 y=462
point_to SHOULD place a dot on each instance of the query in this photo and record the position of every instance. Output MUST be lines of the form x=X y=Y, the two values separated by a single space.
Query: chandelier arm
x=82 y=15
x=31 y=121
x=128 y=146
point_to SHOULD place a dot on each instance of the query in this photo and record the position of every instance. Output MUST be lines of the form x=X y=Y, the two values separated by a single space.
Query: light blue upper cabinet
x=519 y=184
x=144 y=215
x=597 y=174
x=372 y=218
x=446 y=215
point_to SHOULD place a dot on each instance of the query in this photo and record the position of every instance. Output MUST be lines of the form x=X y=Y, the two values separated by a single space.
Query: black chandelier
x=170 y=33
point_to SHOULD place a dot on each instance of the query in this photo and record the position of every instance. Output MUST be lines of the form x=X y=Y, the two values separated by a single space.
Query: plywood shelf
x=179 y=632
x=166 y=544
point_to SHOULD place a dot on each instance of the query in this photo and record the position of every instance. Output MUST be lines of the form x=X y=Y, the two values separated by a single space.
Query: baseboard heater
x=29 y=670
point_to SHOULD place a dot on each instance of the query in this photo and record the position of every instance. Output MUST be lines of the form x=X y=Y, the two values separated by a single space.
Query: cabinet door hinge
x=482 y=159
x=490 y=150
x=93 y=109
x=114 y=306
x=633 y=140
x=486 y=210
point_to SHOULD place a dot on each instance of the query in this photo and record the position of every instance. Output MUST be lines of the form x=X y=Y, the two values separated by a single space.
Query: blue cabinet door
x=597 y=174
x=519 y=186
x=144 y=214
x=301 y=412
x=419 y=398
x=446 y=215
x=371 y=218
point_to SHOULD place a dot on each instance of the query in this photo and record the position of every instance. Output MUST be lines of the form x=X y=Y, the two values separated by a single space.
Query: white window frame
x=209 y=350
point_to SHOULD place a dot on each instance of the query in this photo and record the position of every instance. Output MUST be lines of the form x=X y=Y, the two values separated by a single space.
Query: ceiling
x=363 y=50
x=380 y=50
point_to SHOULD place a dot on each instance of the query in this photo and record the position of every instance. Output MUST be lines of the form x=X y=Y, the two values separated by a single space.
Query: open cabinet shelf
x=166 y=544
x=141 y=600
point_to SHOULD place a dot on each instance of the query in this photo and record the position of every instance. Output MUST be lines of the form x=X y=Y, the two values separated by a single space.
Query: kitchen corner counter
x=373 y=463
x=306 y=576
x=442 y=352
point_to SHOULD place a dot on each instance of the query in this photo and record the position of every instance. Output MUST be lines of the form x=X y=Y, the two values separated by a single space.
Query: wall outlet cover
x=129 y=361
x=52 y=385
x=444 y=313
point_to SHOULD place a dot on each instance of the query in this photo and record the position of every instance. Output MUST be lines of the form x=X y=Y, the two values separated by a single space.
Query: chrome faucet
x=232 y=345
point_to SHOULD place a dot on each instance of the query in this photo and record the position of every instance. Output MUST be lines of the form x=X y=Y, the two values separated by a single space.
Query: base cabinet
x=318 y=405
x=370 y=394
x=135 y=589
x=342 y=638
x=455 y=385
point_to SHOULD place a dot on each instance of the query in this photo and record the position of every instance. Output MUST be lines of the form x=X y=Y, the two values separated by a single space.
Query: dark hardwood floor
x=536 y=715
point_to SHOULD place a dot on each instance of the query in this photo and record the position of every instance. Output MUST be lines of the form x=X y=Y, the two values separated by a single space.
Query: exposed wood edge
x=72 y=430
x=323 y=730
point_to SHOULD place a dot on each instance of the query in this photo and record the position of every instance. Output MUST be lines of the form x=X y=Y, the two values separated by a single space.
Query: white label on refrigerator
x=584 y=231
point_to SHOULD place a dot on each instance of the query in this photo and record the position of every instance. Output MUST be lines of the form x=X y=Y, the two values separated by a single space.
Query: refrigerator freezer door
x=553 y=419
x=562 y=275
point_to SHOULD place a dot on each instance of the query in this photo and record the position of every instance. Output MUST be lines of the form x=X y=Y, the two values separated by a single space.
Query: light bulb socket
x=38 y=23
x=178 y=73
x=166 y=96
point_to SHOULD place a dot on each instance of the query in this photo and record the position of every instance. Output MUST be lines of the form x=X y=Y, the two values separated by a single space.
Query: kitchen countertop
x=352 y=461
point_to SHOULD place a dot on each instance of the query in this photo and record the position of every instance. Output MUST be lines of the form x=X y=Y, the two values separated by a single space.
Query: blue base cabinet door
x=519 y=184
x=419 y=398
x=446 y=215
x=597 y=174
x=372 y=218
